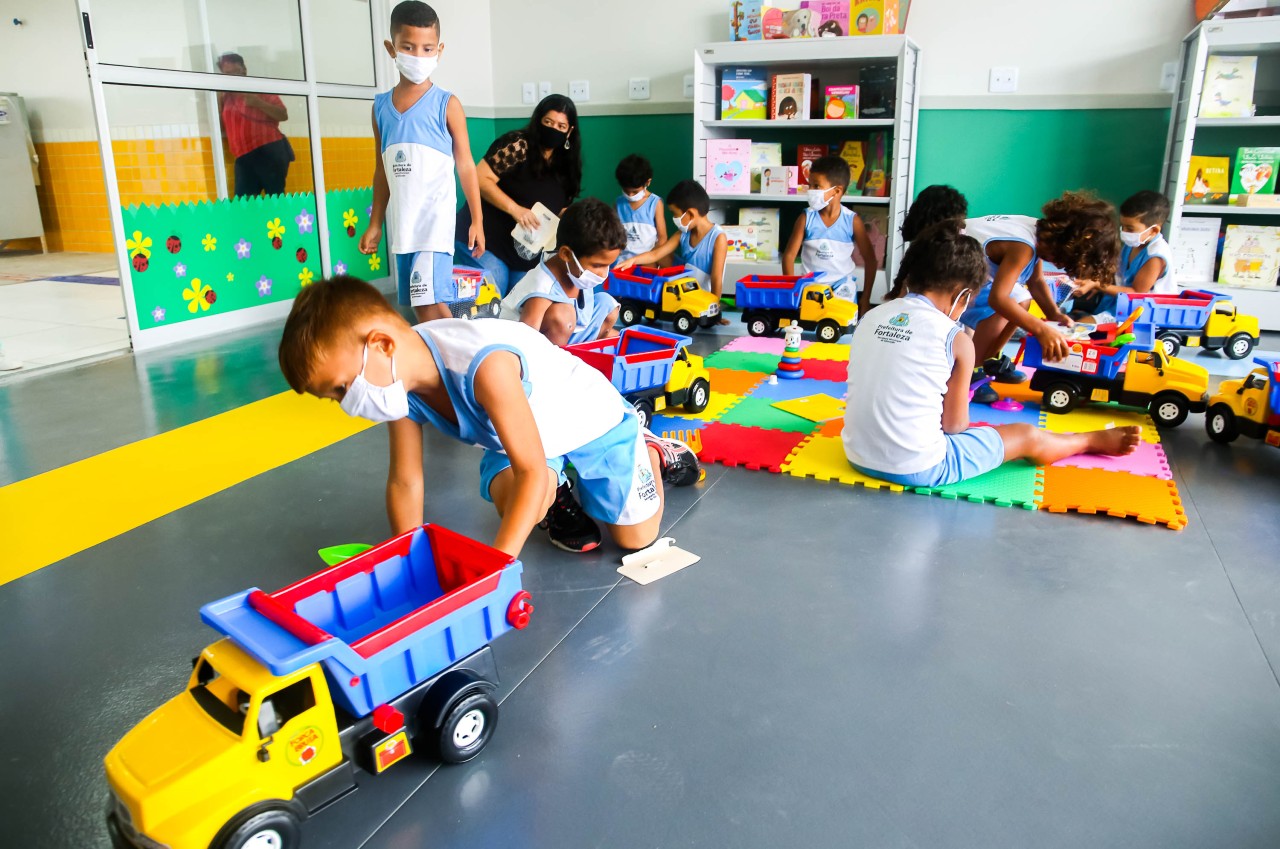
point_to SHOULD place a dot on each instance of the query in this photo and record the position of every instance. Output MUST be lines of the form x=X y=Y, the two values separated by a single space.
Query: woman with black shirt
x=540 y=163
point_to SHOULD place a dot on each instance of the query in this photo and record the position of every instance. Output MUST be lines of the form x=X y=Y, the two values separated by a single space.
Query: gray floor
x=843 y=668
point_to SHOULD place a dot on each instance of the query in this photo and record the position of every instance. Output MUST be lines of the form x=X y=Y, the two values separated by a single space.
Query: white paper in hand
x=657 y=561
x=543 y=237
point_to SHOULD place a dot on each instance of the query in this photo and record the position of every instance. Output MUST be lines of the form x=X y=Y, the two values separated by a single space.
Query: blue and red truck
x=345 y=672
x=1194 y=318
x=771 y=302
x=652 y=368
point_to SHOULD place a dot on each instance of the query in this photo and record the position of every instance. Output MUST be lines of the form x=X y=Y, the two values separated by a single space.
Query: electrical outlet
x=1169 y=76
x=579 y=90
x=529 y=93
x=1003 y=80
x=638 y=88
x=544 y=88
x=688 y=86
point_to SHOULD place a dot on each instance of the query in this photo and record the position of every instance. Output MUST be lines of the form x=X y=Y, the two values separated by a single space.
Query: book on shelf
x=877 y=183
x=745 y=20
x=854 y=153
x=806 y=154
x=830 y=17
x=766 y=221
x=774 y=180
x=744 y=94
x=741 y=242
x=876 y=223
x=1250 y=256
x=1208 y=178
x=797 y=23
x=763 y=155
x=771 y=23
x=727 y=166
x=1196 y=251
x=1255 y=171
x=877 y=17
x=790 y=99
x=877 y=90
x=1227 y=90
x=1257 y=201
x=842 y=102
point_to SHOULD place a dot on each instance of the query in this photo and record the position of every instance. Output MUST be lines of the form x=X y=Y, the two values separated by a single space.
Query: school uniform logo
x=897 y=330
x=900 y=320
x=400 y=165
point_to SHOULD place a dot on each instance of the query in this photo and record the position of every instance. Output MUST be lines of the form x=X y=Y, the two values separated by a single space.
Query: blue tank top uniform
x=699 y=258
x=828 y=251
x=999 y=228
x=640 y=224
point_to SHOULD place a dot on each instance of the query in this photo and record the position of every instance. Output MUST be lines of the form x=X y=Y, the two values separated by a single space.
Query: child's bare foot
x=724 y=321
x=1114 y=442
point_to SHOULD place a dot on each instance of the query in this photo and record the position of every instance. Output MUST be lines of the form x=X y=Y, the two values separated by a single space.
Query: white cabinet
x=20 y=212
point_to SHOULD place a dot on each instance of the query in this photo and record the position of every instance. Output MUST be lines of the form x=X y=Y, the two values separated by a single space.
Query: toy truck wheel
x=683 y=322
x=1169 y=409
x=1220 y=423
x=758 y=325
x=494 y=308
x=644 y=409
x=699 y=396
x=628 y=314
x=468 y=728
x=1239 y=346
x=828 y=331
x=270 y=828
x=1061 y=398
x=1172 y=343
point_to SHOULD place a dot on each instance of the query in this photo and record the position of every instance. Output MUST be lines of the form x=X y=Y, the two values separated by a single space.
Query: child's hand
x=475 y=238
x=625 y=264
x=1059 y=317
x=1053 y=343
x=1084 y=287
x=369 y=241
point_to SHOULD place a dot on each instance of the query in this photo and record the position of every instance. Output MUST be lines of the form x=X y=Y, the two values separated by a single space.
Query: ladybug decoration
x=140 y=263
x=277 y=243
x=351 y=231
x=174 y=244
x=301 y=254
x=210 y=297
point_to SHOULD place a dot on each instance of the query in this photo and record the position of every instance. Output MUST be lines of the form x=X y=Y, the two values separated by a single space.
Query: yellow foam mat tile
x=815 y=408
x=1096 y=417
x=719 y=404
x=822 y=458
x=825 y=351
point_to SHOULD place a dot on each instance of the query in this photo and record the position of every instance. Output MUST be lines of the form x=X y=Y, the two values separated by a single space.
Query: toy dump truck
x=477 y=297
x=347 y=671
x=652 y=368
x=1249 y=406
x=662 y=294
x=1194 y=318
x=772 y=302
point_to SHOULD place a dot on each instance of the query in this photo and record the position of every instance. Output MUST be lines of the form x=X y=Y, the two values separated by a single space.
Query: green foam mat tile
x=758 y=412
x=1013 y=484
x=743 y=361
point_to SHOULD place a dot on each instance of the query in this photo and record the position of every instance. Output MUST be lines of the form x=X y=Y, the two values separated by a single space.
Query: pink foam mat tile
x=760 y=345
x=1149 y=461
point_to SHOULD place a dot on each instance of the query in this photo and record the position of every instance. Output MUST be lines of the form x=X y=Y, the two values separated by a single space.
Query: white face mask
x=416 y=69
x=588 y=279
x=1135 y=239
x=818 y=199
x=967 y=295
x=681 y=226
x=638 y=196
x=376 y=403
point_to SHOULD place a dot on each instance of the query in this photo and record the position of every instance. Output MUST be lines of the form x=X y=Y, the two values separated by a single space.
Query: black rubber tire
x=1172 y=343
x=253 y=822
x=1239 y=346
x=758 y=325
x=494 y=308
x=683 y=323
x=827 y=331
x=1061 y=398
x=628 y=314
x=1169 y=409
x=644 y=409
x=699 y=396
x=1220 y=424
x=462 y=717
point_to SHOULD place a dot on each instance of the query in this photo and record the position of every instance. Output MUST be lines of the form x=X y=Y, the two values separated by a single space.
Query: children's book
x=773 y=180
x=797 y=23
x=842 y=102
x=1255 y=172
x=745 y=20
x=728 y=169
x=771 y=23
x=830 y=17
x=744 y=94
x=1207 y=179
x=541 y=238
x=854 y=153
x=877 y=90
x=763 y=155
x=766 y=221
x=1250 y=256
x=877 y=183
x=790 y=101
x=742 y=242
x=1196 y=250
x=806 y=154
x=1228 y=87
x=793 y=179
x=875 y=17
x=876 y=223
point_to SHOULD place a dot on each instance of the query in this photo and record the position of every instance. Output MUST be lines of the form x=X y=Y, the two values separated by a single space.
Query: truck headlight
x=714 y=309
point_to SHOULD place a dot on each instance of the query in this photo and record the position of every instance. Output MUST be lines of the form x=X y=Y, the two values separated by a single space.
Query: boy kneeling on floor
x=500 y=385
x=910 y=363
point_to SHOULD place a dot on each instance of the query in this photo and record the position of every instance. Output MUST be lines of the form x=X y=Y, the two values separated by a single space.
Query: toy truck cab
x=1248 y=406
x=477 y=297
x=1194 y=318
x=662 y=294
x=772 y=302
x=651 y=368
x=349 y=669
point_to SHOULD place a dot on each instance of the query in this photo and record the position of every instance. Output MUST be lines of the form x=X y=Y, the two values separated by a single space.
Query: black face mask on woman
x=550 y=138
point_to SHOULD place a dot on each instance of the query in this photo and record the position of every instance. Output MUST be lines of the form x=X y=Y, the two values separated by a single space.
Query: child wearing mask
x=1146 y=260
x=639 y=209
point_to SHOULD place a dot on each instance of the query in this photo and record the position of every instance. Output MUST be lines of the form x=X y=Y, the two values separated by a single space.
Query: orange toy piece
x=1149 y=500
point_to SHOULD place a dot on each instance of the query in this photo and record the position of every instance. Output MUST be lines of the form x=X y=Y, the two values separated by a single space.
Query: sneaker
x=985 y=394
x=1001 y=370
x=567 y=524
x=679 y=464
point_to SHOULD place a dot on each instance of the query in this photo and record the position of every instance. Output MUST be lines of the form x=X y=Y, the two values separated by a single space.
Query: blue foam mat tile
x=663 y=423
x=985 y=413
x=789 y=390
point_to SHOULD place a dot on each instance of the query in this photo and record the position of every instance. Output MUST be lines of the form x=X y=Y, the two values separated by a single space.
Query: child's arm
x=456 y=120
x=404 y=476
x=552 y=320
x=1144 y=281
x=381 y=194
x=1014 y=257
x=1043 y=295
x=661 y=252
x=660 y=221
x=792 y=250
x=499 y=391
x=868 y=252
x=718 y=255
x=955 y=404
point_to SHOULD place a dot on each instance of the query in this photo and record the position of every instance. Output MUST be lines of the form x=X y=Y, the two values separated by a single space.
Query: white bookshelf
x=1237 y=37
x=835 y=61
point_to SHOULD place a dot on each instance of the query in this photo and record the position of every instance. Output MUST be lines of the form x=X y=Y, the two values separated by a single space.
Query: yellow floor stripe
x=66 y=510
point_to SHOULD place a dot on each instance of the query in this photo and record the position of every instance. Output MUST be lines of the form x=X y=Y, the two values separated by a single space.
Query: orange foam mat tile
x=734 y=382
x=1151 y=501
x=822 y=458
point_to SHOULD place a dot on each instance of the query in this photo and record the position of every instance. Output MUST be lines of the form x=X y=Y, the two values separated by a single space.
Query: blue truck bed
x=639 y=359
x=1187 y=310
x=771 y=291
x=382 y=621
x=642 y=283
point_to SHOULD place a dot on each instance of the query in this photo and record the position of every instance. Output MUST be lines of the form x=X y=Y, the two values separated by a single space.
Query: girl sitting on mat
x=910 y=363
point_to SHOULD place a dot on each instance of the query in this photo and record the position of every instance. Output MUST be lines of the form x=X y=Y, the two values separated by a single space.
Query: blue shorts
x=976 y=451
x=425 y=278
x=615 y=476
x=980 y=308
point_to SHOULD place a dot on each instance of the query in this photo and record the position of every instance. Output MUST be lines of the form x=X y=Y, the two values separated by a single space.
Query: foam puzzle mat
x=746 y=425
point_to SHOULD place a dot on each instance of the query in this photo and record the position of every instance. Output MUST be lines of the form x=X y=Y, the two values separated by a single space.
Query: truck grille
x=124 y=822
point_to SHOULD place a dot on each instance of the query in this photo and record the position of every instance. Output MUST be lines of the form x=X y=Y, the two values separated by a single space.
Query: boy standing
x=421 y=131
x=500 y=385
x=639 y=209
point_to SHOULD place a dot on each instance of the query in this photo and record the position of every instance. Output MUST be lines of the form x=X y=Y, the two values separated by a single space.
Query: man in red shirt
x=251 y=124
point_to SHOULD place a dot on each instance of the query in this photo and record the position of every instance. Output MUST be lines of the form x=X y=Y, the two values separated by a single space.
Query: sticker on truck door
x=305 y=745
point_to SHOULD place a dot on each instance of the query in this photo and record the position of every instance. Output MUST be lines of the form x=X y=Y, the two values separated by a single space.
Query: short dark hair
x=325 y=313
x=633 y=171
x=414 y=13
x=835 y=169
x=589 y=227
x=231 y=57
x=689 y=194
x=1151 y=208
x=941 y=256
x=933 y=204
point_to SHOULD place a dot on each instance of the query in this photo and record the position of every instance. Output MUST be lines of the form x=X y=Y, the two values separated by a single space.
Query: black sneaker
x=567 y=525
x=679 y=464
x=985 y=394
x=1000 y=370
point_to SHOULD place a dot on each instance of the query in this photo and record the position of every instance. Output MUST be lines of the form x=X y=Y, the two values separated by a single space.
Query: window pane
x=349 y=157
x=342 y=41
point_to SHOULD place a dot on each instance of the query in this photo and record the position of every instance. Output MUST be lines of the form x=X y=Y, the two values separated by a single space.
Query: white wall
x=43 y=61
x=467 y=64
